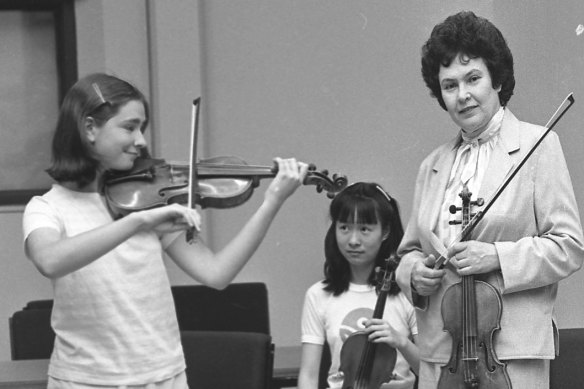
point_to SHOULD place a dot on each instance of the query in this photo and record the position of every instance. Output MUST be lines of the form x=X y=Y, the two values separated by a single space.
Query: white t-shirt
x=114 y=319
x=334 y=318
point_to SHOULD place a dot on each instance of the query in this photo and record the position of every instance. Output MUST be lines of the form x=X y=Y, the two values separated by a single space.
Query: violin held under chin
x=223 y=182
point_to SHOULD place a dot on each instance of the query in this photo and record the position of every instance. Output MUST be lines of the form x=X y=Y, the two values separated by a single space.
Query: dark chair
x=566 y=370
x=31 y=334
x=239 y=307
x=39 y=304
x=228 y=359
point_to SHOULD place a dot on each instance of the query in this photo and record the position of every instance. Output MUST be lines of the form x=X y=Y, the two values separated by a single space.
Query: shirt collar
x=492 y=129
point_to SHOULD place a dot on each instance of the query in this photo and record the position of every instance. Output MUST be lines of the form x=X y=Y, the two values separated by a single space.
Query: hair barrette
x=385 y=194
x=379 y=188
x=98 y=92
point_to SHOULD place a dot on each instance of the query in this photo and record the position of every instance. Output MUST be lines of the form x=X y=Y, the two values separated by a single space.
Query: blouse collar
x=491 y=131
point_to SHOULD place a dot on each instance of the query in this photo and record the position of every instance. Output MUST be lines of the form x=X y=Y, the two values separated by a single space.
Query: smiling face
x=117 y=143
x=468 y=93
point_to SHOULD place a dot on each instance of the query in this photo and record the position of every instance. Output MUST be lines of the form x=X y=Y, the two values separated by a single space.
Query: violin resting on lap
x=223 y=182
x=364 y=364
x=358 y=314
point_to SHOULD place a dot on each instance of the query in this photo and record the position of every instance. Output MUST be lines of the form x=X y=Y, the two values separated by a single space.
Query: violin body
x=380 y=369
x=473 y=367
x=364 y=364
x=162 y=184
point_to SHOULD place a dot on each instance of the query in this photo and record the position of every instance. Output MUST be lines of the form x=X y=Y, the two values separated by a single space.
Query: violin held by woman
x=529 y=241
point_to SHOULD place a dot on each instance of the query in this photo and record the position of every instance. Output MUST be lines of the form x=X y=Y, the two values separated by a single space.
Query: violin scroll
x=323 y=182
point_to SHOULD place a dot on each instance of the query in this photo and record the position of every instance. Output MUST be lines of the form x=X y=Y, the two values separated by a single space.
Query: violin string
x=362 y=372
x=234 y=165
x=238 y=169
x=465 y=330
x=467 y=286
x=467 y=290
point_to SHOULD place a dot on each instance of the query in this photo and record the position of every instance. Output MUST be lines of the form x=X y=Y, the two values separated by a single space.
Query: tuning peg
x=454 y=222
x=478 y=202
x=453 y=209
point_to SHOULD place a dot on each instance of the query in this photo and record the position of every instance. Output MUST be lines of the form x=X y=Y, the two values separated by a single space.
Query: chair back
x=239 y=307
x=31 y=334
x=228 y=359
x=566 y=370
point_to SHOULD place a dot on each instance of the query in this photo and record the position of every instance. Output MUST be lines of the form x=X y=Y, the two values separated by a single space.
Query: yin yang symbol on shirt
x=354 y=321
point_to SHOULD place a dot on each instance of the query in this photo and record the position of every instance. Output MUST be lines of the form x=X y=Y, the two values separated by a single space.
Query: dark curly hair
x=371 y=204
x=99 y=96
x=475 y=37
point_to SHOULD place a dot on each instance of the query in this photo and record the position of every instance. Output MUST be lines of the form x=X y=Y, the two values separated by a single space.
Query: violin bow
x=193 y=179
x=465 y=233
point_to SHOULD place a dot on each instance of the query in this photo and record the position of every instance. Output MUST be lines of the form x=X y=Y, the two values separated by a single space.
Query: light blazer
x=536 y=229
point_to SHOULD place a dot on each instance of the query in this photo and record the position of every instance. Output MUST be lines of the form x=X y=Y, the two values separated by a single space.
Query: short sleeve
x=39 y=214
x=311 y=323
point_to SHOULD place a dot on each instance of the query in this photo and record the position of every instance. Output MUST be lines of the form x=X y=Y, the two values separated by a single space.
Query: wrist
x=402 y=343
x=135 y=220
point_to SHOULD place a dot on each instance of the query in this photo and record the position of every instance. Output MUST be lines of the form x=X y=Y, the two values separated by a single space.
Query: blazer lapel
x=441 y=170
x=501 y=162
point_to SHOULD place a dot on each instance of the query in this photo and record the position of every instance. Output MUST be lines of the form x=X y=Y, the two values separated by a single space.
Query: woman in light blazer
x=529 y=240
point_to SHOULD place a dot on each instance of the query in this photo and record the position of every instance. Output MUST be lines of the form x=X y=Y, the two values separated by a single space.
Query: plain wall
x=338 y=83
x=335 y=83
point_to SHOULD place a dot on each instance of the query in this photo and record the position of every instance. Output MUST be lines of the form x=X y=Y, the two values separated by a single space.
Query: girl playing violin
x=365 y=230
x=113 y=311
